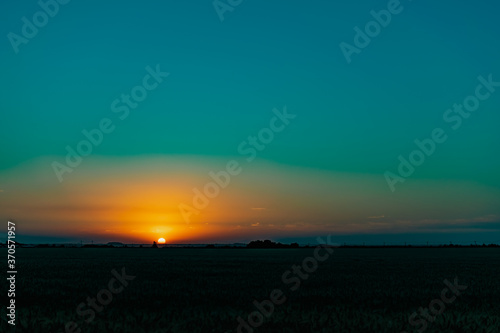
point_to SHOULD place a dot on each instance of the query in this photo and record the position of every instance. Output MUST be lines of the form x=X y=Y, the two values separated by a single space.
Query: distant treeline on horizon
x=257 y=244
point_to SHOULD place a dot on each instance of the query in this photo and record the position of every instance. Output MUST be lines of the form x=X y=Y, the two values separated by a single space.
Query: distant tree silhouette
x=267 y=244
x=155 y=246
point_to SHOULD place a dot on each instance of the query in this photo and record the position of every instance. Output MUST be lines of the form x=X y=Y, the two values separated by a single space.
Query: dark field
x=205 y=290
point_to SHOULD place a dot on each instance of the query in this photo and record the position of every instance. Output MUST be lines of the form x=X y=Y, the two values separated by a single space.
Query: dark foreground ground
x=205 y=290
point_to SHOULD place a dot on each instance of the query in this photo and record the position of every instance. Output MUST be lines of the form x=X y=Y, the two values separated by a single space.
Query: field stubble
x=205 y=290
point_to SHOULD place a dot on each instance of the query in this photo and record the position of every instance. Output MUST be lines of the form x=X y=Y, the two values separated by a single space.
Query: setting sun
x=161 y=241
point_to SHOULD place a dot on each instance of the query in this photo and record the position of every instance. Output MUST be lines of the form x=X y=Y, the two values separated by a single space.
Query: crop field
x=207 y=290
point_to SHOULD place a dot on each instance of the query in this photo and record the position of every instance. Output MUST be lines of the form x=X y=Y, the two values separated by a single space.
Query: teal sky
x=226 y=77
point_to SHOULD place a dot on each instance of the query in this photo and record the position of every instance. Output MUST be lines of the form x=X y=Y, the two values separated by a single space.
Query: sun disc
x=161 y=241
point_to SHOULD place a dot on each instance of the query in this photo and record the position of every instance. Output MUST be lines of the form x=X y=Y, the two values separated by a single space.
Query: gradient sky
x=323 y=174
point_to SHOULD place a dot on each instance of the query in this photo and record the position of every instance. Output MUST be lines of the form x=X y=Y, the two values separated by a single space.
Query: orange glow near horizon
x=137 y=201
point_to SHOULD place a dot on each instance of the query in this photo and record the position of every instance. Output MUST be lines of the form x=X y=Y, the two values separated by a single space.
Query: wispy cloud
x=376 y=217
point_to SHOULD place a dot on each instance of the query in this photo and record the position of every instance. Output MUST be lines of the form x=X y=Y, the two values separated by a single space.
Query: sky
x=310 y=125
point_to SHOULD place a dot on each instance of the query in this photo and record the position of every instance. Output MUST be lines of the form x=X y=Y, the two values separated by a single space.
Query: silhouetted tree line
x=257 y=244
x=267 y=244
